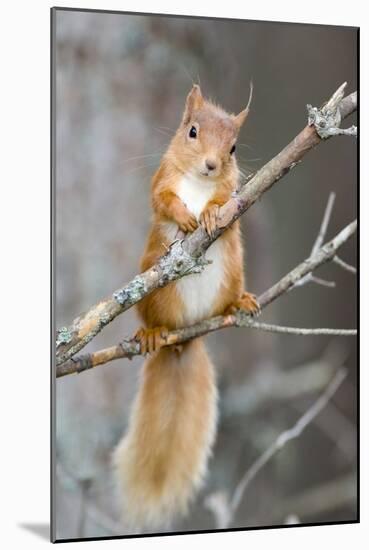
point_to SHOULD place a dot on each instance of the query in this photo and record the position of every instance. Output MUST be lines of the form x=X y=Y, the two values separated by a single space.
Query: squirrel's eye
x=193 y=132
x=233 y=150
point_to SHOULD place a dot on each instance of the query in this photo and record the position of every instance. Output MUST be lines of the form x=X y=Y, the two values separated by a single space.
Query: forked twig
x=223 y=508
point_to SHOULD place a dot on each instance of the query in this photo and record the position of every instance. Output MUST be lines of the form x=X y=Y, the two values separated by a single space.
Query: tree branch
x=323 y=255
x=328 y=119
x=129 y=348
x=187 y=256
x=225 y=509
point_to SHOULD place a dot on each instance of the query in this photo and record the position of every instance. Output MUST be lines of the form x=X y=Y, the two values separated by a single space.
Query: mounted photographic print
x=204 y=204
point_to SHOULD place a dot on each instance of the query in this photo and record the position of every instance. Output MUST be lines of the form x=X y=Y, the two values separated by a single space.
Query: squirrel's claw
x=247 y=303
x=151 y=339
x=208 y=219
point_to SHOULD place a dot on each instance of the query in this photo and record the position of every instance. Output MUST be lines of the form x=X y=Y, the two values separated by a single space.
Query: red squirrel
x=162 y=460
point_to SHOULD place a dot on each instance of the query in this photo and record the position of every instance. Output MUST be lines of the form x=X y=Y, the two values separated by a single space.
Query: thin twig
x=224 y=509
x=287 y=436
x=324 y=225
x=322 y=282
x=338 y=429
x=303 y=331
x=318 y=243
x=186 y=256
x=348 y=267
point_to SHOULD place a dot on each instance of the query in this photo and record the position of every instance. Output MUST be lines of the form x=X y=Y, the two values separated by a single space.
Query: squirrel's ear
x=193 y=102
x=242 y=116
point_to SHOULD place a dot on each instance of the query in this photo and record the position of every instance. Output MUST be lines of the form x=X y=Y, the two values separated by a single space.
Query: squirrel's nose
x=210 y=165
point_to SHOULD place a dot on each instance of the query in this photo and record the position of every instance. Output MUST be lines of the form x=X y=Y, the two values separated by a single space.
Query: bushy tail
x=163 y=458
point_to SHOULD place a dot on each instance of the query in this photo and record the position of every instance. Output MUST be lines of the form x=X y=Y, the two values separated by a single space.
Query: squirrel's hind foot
x=151 y=339
x=247 y=302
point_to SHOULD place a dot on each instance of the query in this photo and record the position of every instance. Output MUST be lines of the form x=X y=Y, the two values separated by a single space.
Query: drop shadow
x=40 y=529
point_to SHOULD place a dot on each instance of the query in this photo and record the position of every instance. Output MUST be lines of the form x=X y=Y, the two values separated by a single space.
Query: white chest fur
x=195 y=193
x=199 y=292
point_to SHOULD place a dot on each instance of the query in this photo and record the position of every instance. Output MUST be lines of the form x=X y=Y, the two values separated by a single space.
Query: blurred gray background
x=121 y=82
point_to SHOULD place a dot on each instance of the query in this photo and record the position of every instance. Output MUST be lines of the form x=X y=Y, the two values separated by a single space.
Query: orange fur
x=163 y=458
x=161 y=461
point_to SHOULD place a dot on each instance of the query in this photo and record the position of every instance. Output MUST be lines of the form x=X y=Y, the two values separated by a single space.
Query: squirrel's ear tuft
x=242 y=116
x=193 y=102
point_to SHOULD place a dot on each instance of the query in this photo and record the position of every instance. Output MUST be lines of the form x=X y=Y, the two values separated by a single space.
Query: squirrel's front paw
x=187 y=222
x=208 y=218
x=151 y=339
x=247 y=303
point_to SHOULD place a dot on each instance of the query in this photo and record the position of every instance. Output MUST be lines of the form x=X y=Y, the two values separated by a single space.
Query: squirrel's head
x=205 y=142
